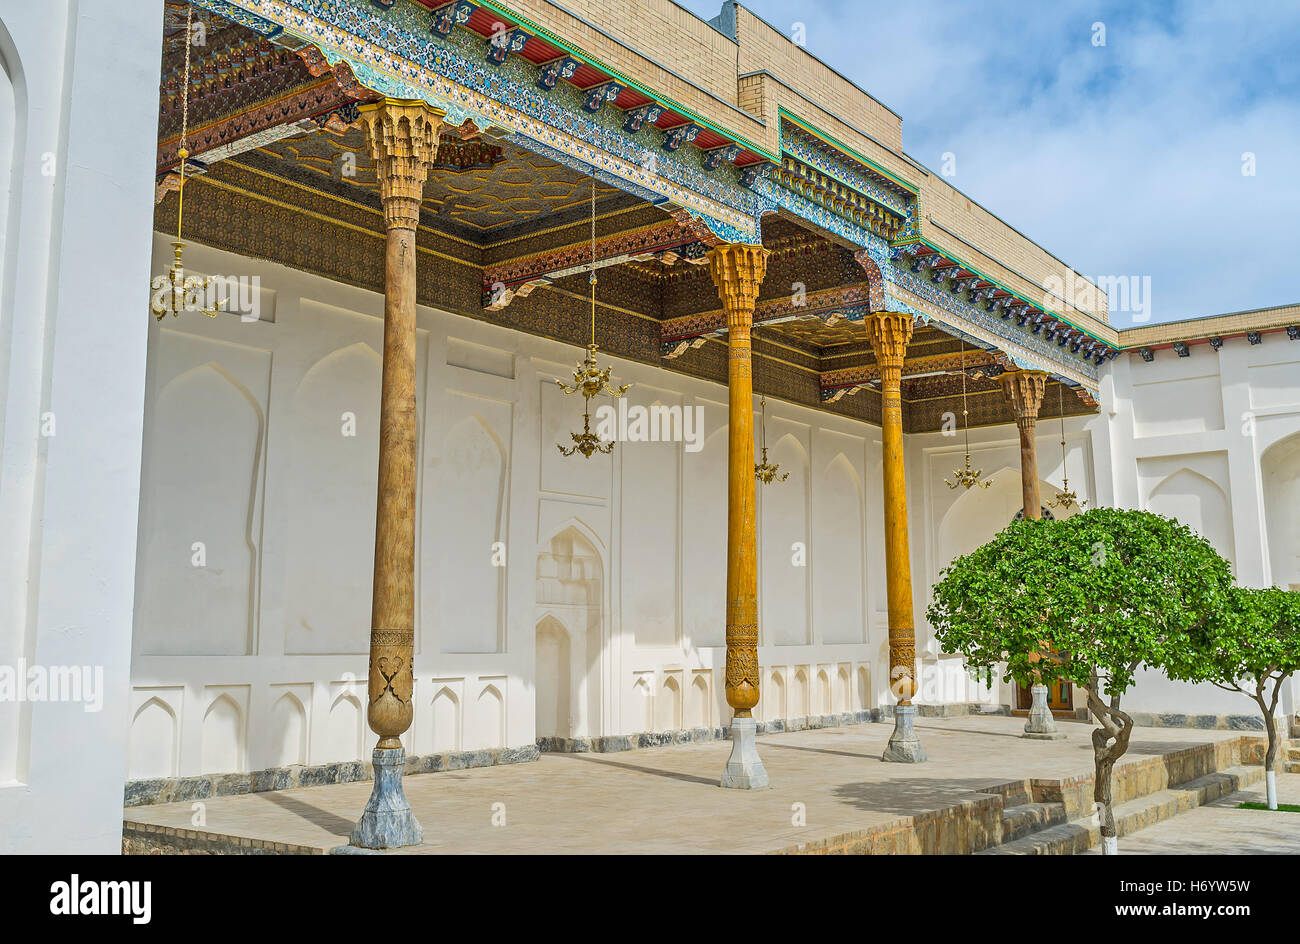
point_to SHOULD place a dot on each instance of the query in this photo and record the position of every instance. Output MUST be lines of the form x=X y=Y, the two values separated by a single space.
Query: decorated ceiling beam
x=830 y=306
x=836 y=384
x=669 y=242
x=397 y=52
x=289 y=90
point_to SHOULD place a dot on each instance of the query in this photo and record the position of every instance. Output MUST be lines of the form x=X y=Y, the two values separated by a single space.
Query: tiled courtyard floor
x=667 y=800
x=1219 y=828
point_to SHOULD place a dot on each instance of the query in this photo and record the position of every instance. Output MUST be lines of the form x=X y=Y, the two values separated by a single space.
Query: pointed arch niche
x=334 y=455
x=198 y=558
x=980 y=513
x=1198 y=502
x=568 y=681
x=471 y=500
x=1280 y=470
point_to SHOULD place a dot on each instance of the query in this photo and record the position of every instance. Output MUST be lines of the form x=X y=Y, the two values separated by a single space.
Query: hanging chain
x=184 y=151
x=592 y=278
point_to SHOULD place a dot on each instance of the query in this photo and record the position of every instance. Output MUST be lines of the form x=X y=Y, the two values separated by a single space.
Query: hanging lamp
x=589 y=378
x=1066 y=499
x=763 y=471
x=176 y=292
x=966 y=476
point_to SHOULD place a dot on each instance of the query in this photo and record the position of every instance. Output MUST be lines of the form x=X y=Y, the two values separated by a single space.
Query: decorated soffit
x=476 y=71
x=476 y=189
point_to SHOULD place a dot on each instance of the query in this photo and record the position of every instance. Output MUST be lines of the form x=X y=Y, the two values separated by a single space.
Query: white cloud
x=1122 y=160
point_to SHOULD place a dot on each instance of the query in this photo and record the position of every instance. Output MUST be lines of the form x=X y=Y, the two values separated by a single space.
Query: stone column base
x=1041 y=726
x=904 y=746
x=744 y=770
x=387 y=822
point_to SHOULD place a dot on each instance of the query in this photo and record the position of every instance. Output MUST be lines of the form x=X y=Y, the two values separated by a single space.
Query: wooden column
x=1024 y=391
x=738 y=271
x=890 y=333
x=403 y=140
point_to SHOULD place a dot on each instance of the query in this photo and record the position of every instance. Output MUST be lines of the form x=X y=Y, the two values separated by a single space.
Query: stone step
x=1025 y=818
x=1081 y=834
x=1293 y=767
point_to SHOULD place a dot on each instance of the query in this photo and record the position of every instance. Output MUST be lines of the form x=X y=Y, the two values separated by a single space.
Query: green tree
x=1087 y=600
x=1252 y=649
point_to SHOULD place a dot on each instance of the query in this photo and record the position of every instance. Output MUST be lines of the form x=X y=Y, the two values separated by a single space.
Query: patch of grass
x=1281 y=807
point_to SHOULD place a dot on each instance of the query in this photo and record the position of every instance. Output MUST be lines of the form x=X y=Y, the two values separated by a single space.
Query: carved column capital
x=738 y=270
x=403 y=140
x=1024 y=391
x=889 y=333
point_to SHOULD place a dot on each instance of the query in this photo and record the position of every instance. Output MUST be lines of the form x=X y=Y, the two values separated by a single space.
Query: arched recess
x=783 y=593
x=343 y=729
x=289 y=730
x=839 y=572
x=1280 y=470
x=489 y=719
x=843 y=690
x=774 y=700
x=554 y=680
x=153 y=748
x=570 y=590
x=704 y=545
x=644 y=700
x=698 y=714
x=446 y=721
x=1197 y=502
x=822 y=704
x=668 y=705
x=798 y=698
x=865 y=695
x=198 y=495
x=980 y=513
x=223 y=737
x=334 y=457
x=471 y=498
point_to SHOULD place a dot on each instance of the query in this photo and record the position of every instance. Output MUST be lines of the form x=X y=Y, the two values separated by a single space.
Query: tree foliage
x=1252 y=648
x=1088 y=599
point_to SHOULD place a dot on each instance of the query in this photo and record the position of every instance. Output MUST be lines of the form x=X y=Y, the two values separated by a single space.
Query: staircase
x=1055 y=817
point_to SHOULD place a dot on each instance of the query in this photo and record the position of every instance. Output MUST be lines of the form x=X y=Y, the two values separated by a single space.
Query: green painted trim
x=1010 y=291
x=543 y=33
x=841 y=146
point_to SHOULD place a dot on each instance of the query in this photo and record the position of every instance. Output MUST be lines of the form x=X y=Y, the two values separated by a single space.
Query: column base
x=904 y=746
x=744 y=770
x=1041 y=726
x=387 y=822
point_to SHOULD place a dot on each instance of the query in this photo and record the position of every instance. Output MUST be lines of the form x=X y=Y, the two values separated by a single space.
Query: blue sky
x=1124 y=159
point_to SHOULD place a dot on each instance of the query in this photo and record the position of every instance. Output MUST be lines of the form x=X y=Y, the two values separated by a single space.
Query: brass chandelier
x=966 y=476
x=176 y=292
x=589 y=378
x=763 y=471
x=1066 y=499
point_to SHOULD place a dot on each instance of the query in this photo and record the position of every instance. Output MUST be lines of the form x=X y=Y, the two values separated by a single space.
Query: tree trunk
x=1105 y=809
x=1109 y=742
x=1270 y=756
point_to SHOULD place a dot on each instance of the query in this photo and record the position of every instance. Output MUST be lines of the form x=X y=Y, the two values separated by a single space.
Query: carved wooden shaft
x=737 y=271
x=403 y=140
x=890 y=333
x=1024 y=391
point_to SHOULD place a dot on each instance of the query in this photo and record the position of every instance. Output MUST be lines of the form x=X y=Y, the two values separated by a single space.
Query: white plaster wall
x=947 y=523
x=620 y=560
x=76 y=187
x=1212 y=439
